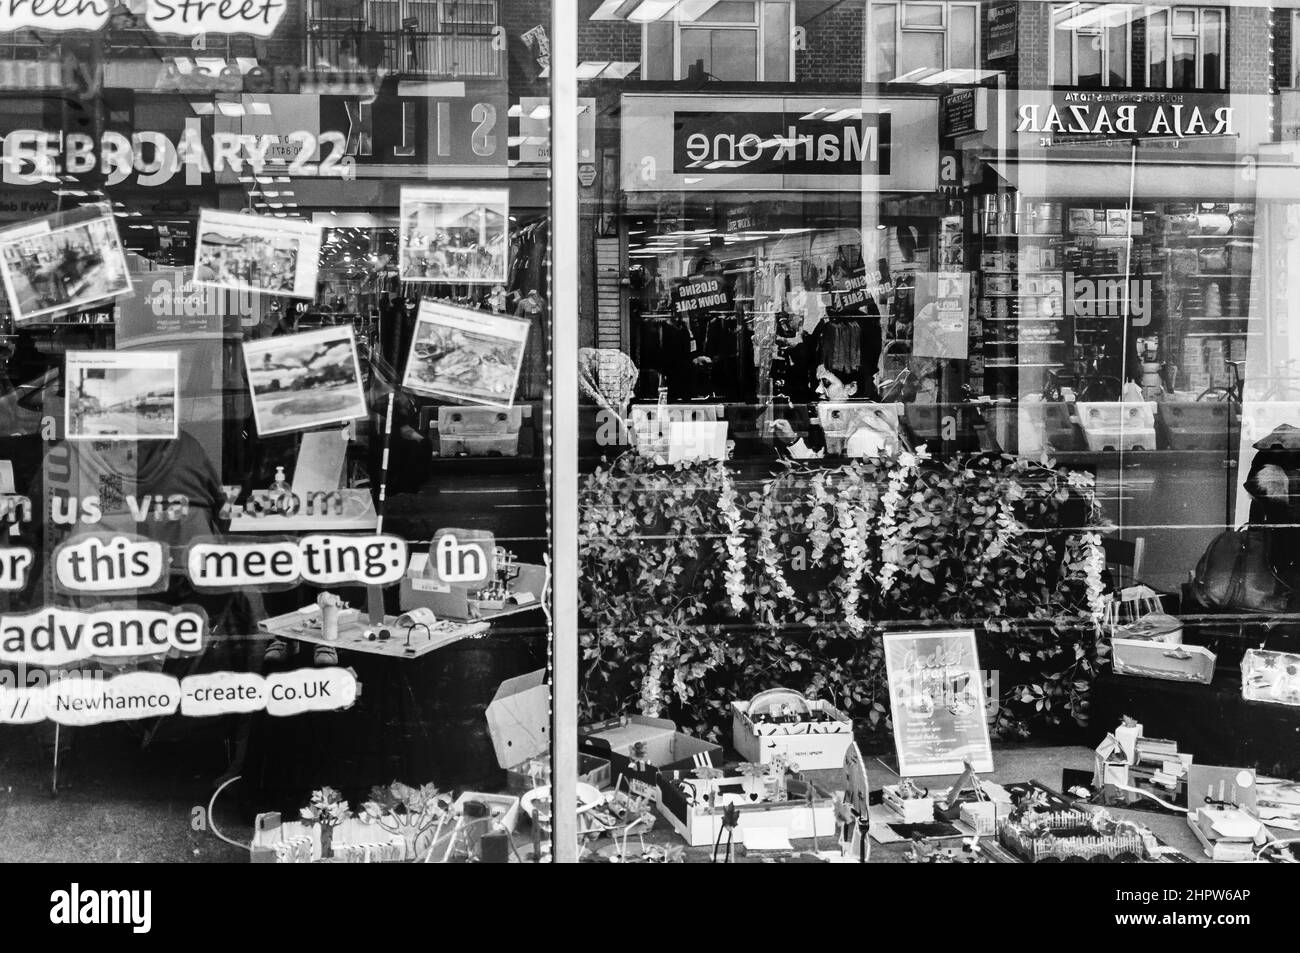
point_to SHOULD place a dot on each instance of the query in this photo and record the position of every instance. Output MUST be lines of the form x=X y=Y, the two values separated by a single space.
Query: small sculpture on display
x=496 y=594
x=1040 y=831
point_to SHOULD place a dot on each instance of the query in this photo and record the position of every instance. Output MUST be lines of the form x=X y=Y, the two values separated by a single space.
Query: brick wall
x=834 y=49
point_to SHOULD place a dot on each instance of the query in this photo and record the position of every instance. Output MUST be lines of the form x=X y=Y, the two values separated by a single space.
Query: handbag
x=1236 y=574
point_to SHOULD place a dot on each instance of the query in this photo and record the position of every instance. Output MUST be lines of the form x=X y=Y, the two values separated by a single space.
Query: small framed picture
x=61 y=263
x=121 y=395
x=459 y=236
x=304 y=381
x=467 y=356
x=279 y=256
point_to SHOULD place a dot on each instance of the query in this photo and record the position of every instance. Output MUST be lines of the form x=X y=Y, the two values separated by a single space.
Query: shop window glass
x=728 y=55
x=920 y=51
x=1157 y=37
x=777 y=40
x=915 y=40
x=1184 y=64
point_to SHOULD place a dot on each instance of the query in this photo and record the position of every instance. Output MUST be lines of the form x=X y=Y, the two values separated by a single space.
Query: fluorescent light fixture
x=213 y=64
x=853 y=112
x=202 y=109
x=542 y=111
x=231 y=109
x=651 y=10
x=620 y=70
x=914 y=76
x=614 y=10
x=590 y=69
x=515 y=112
x=259 y=109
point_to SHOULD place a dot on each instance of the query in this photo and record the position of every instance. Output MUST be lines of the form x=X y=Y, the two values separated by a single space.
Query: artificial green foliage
x=698 y=590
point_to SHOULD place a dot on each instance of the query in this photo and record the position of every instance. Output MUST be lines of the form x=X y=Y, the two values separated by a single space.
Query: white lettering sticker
x=85 y=701
x=310 y=689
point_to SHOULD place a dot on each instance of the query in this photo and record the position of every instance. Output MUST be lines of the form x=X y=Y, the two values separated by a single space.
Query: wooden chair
x=1123 y=560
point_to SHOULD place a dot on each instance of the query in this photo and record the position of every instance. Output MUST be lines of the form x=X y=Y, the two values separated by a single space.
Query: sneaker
x=276 y=651
x=326 y=655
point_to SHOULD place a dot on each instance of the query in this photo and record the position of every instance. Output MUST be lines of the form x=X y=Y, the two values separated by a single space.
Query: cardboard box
x=980 y=816
x=535 y=772
x=666 y=749
x=420 y=589
x=518 y=720
x=685 y=808
x=811 y=745
x=913 y=810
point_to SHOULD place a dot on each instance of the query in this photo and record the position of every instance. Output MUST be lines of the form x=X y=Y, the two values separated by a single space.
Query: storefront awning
x=1246 y=181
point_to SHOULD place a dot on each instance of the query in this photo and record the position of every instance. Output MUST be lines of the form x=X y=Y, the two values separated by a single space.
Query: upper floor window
x=729 y=40
x=1091 y=44
x=915 y=41
x=1157 y=47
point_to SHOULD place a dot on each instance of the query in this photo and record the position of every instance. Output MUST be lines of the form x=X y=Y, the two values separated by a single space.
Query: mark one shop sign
x=709 y=143
x=178 y=17
x=693 y=143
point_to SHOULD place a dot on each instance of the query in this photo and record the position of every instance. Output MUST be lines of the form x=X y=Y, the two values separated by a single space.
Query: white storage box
x=812 y=743
x=913 y=810
x=682 y=803
x=1118 y=425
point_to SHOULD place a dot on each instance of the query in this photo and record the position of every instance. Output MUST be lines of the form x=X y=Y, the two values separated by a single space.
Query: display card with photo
x=250 y=252
x=454 y=235
x=121 y=395
x=62 y=263
x=303 y=381
x=464 y=355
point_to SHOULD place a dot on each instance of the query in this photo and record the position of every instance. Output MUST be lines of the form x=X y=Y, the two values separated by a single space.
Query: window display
x=650 y=431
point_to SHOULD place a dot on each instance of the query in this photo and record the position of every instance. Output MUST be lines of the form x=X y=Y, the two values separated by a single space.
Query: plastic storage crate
x=1198 y=425
x=1118 y=425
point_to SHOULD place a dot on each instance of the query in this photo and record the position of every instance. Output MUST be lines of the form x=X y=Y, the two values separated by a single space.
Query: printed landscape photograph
x=249 y=253
x=50 y=269
x=304 y=381
x=122 y=395
x=454 y=235
x=469 y=356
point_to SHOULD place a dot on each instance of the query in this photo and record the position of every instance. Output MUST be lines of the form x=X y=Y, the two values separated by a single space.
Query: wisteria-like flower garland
x=891 y=550
x=651 y=685
x=729 y=505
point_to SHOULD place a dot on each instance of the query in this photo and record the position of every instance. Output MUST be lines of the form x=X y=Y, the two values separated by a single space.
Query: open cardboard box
x=665 y=748
x=518 y=720
x=419 y=589
x=811 y=745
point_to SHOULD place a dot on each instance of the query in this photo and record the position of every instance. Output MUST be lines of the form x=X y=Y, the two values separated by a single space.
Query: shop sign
x=177 y=17
x=965 y=111
x=937 y=693
x=745 y=218
x=700 y=294
x=852 y=293
x=1101 y=116
x=1001 y=19
x=394 y=130
x=710 y=143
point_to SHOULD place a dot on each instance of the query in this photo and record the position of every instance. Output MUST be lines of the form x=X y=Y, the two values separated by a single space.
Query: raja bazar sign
x=708 y=143
x=1098 y=116
x=179 y=17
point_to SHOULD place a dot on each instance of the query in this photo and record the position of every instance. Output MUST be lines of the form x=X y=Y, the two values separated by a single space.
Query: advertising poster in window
x=250 y=253
x=121 y=395
x=454 y=235
x=937 y=701
x=304 y=381
x=942 y=315
x=55 y=265
x=468 y=356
